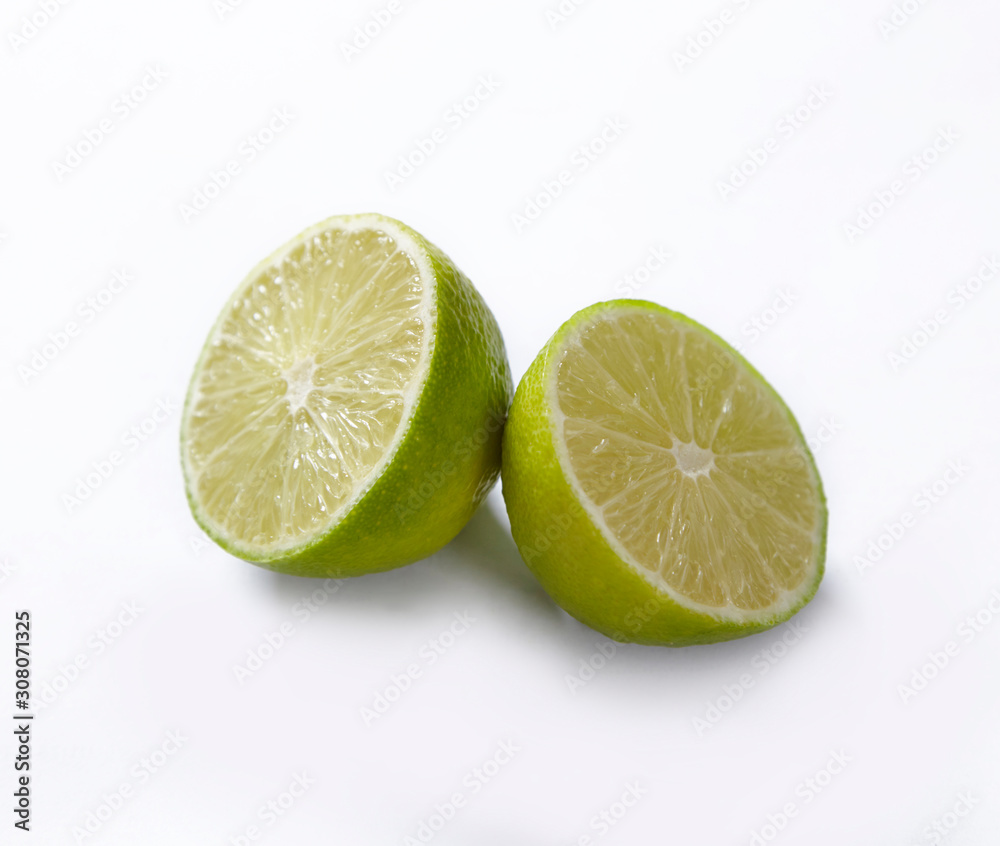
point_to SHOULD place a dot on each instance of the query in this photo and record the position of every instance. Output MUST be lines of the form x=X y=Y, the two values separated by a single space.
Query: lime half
x=345 y=415
x=657 y=486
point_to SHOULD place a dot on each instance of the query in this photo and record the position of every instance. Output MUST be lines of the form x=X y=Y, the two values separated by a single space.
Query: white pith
x=300 y=379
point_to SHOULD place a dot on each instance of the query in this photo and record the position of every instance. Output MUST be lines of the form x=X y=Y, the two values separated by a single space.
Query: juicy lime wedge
x=692 y=508
x=312 y=382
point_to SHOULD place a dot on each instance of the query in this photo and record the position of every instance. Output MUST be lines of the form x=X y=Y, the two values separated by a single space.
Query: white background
x=884 y=430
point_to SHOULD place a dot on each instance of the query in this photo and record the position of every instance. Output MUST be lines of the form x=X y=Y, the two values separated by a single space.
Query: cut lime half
x=344 y=371
x=656 y=484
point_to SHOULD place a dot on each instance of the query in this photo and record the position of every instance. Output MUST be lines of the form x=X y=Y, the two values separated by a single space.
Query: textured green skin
x=567 y=552
x=464 y=401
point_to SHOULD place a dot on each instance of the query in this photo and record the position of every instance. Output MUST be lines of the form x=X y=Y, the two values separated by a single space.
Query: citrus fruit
x=657 y=486
x=346 y=413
